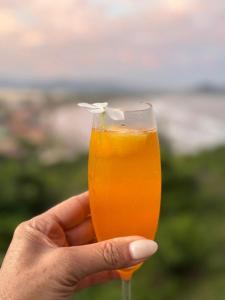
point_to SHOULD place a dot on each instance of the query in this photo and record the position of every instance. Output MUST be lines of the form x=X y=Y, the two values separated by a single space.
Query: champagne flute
x=124 y=178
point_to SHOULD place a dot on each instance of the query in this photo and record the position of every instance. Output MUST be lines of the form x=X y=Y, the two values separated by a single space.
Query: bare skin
x=55 y=254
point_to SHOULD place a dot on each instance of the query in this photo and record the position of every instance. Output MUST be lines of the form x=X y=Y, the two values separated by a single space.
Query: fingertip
x=142 y=249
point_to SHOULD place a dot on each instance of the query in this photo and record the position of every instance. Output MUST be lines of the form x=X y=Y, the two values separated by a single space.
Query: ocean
x=190 y=122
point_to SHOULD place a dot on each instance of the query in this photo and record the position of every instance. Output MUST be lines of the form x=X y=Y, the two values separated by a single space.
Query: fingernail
x=141 y=249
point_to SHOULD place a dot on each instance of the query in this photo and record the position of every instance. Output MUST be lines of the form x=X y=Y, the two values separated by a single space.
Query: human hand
x=53 y=255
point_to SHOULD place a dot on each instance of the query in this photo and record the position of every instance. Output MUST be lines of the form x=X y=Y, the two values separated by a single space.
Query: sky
x=143 y=42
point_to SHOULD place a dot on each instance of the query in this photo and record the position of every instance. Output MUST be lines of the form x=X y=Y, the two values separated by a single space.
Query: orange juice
x=124 y=183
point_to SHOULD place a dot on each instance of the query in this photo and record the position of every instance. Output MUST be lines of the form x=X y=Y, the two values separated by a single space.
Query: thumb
x=109 y=255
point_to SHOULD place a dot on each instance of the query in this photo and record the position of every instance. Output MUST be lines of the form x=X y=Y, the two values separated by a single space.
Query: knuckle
x=21 y=228
x=111 y=254
x=26 y=231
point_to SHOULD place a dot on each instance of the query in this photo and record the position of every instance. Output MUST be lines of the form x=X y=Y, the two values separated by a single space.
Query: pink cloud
x=81 y=38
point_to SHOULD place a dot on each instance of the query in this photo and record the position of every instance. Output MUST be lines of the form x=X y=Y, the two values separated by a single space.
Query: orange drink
x=124 y=183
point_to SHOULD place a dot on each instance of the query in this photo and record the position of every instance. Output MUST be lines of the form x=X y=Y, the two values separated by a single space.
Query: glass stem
x=126 y=289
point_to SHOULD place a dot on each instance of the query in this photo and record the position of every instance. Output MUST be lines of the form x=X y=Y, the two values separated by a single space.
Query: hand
x=53 y=254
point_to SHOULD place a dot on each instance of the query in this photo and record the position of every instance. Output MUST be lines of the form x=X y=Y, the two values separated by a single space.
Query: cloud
x=9 y=23
x=148 y=41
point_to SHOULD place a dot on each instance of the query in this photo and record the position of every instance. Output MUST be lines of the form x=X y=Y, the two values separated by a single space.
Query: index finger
x=71 y=212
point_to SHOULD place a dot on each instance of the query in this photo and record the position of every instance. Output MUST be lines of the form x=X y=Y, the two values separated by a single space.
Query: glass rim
x=148 y=106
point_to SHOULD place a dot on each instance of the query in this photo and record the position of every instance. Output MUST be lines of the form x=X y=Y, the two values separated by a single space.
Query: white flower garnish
x=115 y=113
x=96 y=108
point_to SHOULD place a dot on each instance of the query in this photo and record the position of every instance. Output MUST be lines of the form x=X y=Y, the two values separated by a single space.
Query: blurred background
x=169 y=52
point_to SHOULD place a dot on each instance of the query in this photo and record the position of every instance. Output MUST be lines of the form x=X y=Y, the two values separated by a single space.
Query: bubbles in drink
x=119 y=141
